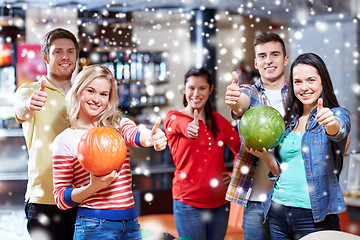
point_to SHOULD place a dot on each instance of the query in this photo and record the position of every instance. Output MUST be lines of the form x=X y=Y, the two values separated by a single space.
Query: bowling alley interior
x=149 y=45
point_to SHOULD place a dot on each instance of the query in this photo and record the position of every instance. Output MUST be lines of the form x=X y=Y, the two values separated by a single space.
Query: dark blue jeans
x=294 y=223
x=253 y=222
x=201 y=223
x=50 y=222
x=87 y=228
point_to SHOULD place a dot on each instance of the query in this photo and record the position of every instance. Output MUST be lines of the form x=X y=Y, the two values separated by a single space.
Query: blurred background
x=149 y=45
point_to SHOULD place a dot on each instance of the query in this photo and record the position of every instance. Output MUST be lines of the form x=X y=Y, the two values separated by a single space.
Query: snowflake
x=305 y=150
x=43 y=219
x=148 y=197
x=206 y=216
x=244 y=169
x=39 y=144
x=47 y=127
x=262 y=197
x=214 y=183
x=183 y=175
x=146 y=172
x=137 y=170
x=39 y=234
x=298 y=35
x=283 y=166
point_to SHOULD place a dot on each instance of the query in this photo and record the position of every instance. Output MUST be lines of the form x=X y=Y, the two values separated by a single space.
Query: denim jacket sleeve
x=338 y=141
x=343 y=117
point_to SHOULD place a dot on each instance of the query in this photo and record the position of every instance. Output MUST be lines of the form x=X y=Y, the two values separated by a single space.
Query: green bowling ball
x=262 y=127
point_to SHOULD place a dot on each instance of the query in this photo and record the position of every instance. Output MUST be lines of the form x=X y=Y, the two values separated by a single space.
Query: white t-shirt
x=274 y=98
x=262 y=184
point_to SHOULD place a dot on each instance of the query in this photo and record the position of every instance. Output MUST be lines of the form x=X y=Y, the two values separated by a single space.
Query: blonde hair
x=110 y=117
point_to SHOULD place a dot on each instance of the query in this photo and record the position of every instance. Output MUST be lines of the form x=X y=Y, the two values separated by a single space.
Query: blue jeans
x=49 y=222
x=201 y=223
x=97 y=228
x=294 y=223
x=253 y=222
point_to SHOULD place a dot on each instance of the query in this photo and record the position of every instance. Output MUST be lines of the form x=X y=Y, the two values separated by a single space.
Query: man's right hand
x=38 y=98
x=233 y=92
x=234 y=98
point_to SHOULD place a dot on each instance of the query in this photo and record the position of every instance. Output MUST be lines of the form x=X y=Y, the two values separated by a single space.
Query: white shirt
x=262 y=184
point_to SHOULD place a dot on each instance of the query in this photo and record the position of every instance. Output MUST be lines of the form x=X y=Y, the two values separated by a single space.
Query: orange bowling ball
x=101 y=150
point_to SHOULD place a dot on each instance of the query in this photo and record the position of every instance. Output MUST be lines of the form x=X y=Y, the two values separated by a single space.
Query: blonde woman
x=106 y=204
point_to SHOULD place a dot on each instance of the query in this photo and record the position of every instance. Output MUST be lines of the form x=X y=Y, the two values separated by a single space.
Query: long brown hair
x=293 y=105
x=209 y=117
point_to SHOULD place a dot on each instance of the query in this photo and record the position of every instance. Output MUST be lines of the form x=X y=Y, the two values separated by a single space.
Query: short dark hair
x=266 y=37
x=58 y=33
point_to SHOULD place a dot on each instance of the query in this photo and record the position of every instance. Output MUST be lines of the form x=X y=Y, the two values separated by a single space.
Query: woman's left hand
x=193 y=127
x=158 y=136
x=226 y=178
x=326 y=118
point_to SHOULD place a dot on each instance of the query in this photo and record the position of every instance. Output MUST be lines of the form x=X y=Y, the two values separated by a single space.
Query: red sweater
x=199 y=163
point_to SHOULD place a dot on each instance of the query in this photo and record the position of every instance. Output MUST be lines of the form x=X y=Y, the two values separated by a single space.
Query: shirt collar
x=50 y=86
x=260 y=86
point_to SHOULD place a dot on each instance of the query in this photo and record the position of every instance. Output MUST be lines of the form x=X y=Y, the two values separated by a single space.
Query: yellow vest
x=39 y=133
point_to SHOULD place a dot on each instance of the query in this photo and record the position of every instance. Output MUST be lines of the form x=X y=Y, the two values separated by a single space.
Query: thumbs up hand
x=193 y=127
x=158 y=136
x=38 y=98
x=325 y=116
x=233 y=91
x=234 y=98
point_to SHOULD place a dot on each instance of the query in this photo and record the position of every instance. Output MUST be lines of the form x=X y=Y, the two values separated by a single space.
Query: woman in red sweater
x=197 y=136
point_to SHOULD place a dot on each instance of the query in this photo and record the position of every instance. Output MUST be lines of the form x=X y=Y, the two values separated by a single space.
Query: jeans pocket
x=91 y=224
x=133 y=224
x=32 y=210
x=248 y=205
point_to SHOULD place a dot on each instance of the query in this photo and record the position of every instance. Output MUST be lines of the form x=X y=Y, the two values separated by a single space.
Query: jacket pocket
x=318 y=136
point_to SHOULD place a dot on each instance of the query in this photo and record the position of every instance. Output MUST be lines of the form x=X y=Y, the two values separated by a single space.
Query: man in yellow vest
x=40 y=107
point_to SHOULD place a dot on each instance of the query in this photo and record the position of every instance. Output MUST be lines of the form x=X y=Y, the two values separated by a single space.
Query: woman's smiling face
x=94 y=98
x=197 y=91
x=307 y=85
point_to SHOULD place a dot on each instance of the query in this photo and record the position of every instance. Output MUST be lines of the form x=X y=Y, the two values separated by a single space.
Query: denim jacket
x=323 y=155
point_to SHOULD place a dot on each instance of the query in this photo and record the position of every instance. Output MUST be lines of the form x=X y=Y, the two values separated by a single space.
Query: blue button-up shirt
x=323 y=156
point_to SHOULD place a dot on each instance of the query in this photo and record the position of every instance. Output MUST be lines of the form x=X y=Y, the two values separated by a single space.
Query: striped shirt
x=116 y=200
x=242 y=178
